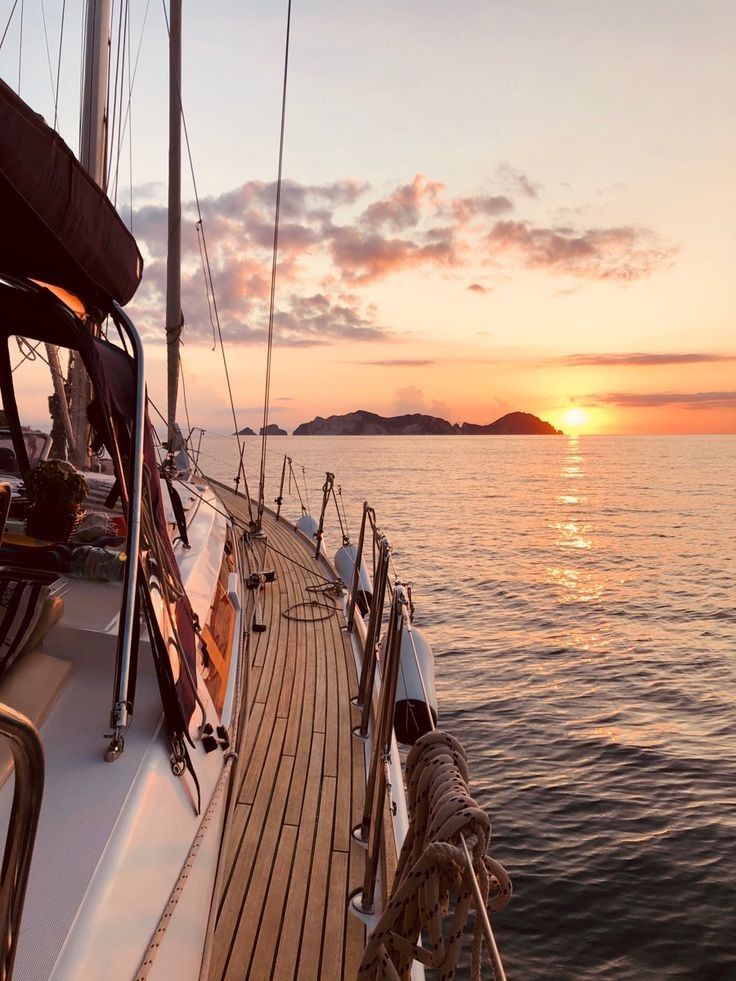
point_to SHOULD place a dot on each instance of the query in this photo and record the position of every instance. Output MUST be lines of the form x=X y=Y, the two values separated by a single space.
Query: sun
x=575 y=417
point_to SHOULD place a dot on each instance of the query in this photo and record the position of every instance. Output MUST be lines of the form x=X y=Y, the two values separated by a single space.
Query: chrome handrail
x=120 y=710
x=27 y=750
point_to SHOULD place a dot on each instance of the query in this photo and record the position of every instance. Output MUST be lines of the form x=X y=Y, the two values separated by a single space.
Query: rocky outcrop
x=512 y=424
x=273 y=430
x=362 y=423
x=247 y=431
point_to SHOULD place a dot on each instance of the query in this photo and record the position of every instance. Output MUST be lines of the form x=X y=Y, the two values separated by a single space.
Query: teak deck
x=290 y=858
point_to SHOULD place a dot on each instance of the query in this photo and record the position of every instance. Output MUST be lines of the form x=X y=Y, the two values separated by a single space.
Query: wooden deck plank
x=332 y=953
x=345 y=740
x=303 y=748
x=290 y=858
x=311 y=951
x=263 y=842
x=249 y=835
x=332 y=652
x=262 y=964
x=290 y=941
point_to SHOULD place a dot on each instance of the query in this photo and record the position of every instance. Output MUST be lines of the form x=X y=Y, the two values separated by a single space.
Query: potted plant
x=55 y=492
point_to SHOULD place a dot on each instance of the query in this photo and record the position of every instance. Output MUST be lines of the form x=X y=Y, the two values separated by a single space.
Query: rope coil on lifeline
x=432 y=869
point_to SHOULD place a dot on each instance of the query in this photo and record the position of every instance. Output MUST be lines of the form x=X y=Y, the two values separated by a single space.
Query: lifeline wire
x=267 y=394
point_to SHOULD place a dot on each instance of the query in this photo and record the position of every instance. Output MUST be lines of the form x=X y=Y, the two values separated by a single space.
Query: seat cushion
x=31 y=686
x=21 y=608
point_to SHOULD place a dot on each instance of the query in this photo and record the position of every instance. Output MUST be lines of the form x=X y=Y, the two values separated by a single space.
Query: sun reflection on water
x=576 y=584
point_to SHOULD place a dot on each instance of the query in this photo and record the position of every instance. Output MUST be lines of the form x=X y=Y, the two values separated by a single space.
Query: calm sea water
x=579 y=596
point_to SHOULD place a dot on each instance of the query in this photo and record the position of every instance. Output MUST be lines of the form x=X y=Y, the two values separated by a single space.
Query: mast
x=174 y=319
x=93 y=157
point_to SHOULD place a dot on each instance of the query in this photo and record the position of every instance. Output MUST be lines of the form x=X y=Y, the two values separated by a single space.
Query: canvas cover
x=58 y=226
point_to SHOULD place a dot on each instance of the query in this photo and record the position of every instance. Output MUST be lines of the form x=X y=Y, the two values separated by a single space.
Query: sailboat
x=200 y=774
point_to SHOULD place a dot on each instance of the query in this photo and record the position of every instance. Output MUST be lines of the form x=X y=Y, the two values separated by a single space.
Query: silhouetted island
x=512 y=424
x=362 y=423
x=247 y=431
x=273 y=430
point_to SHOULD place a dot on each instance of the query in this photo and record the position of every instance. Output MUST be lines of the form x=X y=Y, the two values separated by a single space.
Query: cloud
x=339 y=238
x=623 y=254
x=638 y=359
x=518 y=181
x=403 y=208
x=466 y=209
x=694 y=400
x=366 y=257
x=409 y=399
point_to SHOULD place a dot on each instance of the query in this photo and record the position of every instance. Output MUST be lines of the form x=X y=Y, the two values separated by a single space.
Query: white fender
x=309 y=526
x=345 y=564
x=411 y=719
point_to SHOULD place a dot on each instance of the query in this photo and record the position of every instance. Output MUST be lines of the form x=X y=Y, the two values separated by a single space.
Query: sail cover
x=58 y=226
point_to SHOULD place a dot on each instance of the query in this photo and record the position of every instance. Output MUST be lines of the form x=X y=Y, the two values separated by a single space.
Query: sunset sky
x=488 y=206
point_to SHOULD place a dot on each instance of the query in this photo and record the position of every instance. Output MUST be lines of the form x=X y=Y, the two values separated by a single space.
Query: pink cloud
x=366 y=257
x=603 y=253
x=333 y=236
x=404 y=208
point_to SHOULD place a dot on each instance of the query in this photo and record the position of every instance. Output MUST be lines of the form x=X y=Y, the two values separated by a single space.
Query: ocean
x=578 y=593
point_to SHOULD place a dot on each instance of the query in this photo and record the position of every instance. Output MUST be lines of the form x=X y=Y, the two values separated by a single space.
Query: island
x=363 y=423
x=512 y=424
x=273 y=430
x=247 y=431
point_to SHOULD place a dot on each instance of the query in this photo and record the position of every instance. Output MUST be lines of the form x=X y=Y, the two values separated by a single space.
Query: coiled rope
x=316 y=614
x=432 y=868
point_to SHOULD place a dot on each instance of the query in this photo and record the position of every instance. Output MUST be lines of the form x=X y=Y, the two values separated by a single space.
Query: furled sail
x=58 y=225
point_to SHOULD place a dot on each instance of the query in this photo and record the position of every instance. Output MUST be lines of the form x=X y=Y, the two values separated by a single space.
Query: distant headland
x=362 y=423
x=271 y=430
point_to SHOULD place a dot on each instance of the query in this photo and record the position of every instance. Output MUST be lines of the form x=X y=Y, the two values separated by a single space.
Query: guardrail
x=25 y=744
x=387 y=666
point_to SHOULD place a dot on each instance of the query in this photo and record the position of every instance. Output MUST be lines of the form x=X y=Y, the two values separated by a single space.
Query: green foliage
x=55 y=485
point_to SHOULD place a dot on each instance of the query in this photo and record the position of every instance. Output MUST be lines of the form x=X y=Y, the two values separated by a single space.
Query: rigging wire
x=128 y=115
x=48 y=49
x=184 y=392
x=58 y=64
x=267 y=393
x=8 y=23
x=20 y=42
x=207 y=283
x=117 y=105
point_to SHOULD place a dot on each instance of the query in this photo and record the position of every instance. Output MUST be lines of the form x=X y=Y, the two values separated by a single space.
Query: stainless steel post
x=326 y=491
x=368 y=668
x=280 y=498
x=119 y=711
x=356 y=572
